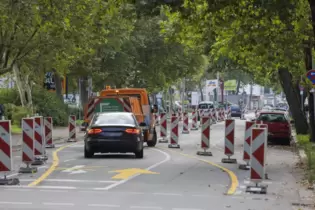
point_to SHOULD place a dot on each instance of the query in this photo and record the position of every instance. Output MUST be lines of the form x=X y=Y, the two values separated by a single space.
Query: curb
x=16 y=148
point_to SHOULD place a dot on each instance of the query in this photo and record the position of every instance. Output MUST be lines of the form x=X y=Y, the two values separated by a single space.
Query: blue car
x=236 y=111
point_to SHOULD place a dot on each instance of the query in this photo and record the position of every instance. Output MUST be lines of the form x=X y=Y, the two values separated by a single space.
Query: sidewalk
x=59 y=135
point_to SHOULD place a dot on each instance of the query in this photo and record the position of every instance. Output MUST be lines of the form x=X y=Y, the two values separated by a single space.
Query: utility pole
x=250 y=96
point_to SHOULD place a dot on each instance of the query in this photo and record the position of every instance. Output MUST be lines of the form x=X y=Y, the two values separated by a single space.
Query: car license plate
x=112 y=134
x=233 y=111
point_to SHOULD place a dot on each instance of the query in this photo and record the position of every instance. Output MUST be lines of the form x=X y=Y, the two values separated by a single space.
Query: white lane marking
x=145 y=207
x=68 y=160
x=167 y=158
x=40 y=167
x=20 y=190
x=15 y=203
x=54 y=191
x=58 y=204
x=56 y=187
x=16 y=174
x=70 y=180
x=168 y=194
x=185 y=209
x=104 y=205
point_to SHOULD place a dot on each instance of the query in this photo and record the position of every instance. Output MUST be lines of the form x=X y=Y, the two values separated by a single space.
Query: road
x=165 y=179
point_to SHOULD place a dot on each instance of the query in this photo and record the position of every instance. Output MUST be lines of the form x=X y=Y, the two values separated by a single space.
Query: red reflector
x=132 y=130
x=94 y=131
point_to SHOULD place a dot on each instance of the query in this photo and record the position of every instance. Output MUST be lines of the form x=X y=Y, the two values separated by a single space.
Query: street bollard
x=257 y=165
x=6 y=161
x=249 y=125
x=28 y=147
x=228 y=113
x=185 y=123
x=174 y=133
x=229 y=141
x=163 y=128
x=48 y=126
x=72 y=129
x=39 y=150
x=194 y=120
x=205 y=136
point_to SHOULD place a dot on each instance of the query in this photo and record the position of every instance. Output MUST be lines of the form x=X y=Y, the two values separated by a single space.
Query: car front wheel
x=87 y=153
x=139 y=154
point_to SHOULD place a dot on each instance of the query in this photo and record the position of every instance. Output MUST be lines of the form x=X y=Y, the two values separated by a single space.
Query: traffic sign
x=311 y=76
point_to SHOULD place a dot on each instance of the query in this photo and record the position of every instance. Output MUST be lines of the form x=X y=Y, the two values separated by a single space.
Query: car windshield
x=235 y=107
x=270 y=117
x=205 y=106
x=113 y=118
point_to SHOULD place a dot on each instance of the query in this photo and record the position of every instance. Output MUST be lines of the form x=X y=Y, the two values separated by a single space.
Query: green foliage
x=9 y=96
x=309 y=148
x=18 y=113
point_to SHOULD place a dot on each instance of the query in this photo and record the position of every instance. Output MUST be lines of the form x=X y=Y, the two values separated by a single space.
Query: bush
x=10 y=96
x=18 y=113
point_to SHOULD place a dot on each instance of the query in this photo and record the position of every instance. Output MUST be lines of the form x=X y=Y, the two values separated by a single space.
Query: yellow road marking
x=126 y=173
x=233 y=177
x=52 y=168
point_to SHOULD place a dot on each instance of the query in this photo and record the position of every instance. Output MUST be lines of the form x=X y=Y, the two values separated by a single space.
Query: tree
x=261 y=36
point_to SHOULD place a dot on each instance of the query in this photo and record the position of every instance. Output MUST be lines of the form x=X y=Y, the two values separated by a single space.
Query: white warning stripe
x=5 y=135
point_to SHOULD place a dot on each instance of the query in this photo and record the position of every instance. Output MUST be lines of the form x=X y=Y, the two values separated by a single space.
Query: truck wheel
x=152 y=143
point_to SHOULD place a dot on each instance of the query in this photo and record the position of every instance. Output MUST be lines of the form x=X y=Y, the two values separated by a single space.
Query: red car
x=279 y=125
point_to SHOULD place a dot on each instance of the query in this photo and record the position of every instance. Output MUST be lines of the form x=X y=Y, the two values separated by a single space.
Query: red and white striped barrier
x=39 y=140
x=174 y=133
x=90 y=108
x=222 y=113
x=157 y=118
x=229 y=113
x=194 y=120
x=249 y=125
x=229 y=141
x=213 y=116
x=48 y=126
x=257 y=163
x=205 y=136
x=265 y=126
x=72 y=129
x=185 y=123
x=6 y=160
x=163 y=128
x=28 y=147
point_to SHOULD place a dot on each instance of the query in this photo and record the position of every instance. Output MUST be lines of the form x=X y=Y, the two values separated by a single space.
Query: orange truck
x=134 y=100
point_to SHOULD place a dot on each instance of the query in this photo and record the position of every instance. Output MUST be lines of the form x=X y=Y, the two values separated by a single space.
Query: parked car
x=236 y=111
x=205 y=105
x=278 y=123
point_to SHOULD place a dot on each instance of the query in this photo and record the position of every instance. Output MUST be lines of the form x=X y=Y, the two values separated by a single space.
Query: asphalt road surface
x=165 y=179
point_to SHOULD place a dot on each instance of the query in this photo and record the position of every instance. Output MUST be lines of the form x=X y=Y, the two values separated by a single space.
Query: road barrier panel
x=194 y=120
x=205 y=136
x=39 y=151
x=213 y=116
x=163 y=128
x=266 y=145
x=156 y=118
x=228 y=113
x=6 y=161
x=249 y=125
x=72 y=129
x=257 y=161
x=185 y=123
x=229 y=141
x=174 y=133
x=28 y=147
x=48 y=127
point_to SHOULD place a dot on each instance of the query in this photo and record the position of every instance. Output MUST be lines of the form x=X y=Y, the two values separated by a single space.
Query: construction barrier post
x=213 y=116
x=48 y=126
x=194 y=120
x=28 y=147
x=257 y=165
x=39 y=151
x=156 y=117
x=185 y=123
x=6 y=161
x=174 y=133
x=266 y=145
x=205 y=136
x=228 y=113
x=163 y=128
x=249 y=125
x=229 y=141
x=72 y=129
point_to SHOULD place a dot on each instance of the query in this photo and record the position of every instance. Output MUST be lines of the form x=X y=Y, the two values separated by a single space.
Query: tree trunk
x=238 y=85
x=58 y=85
x=294 y=101
x=83 y=91
x=19 y=84
x=200 y=90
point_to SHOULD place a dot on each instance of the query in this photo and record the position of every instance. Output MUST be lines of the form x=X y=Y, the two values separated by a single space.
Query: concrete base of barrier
x=71 y=140
x=50 y=146
x=13 y=181
x=28 y=170
x=185 y=132
x=257 y=189
x=244 y=167
x=40 y=160
x=163 y=140
x=177 y=146
x=204 y=153
x=194 y=129
x=228 y=160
